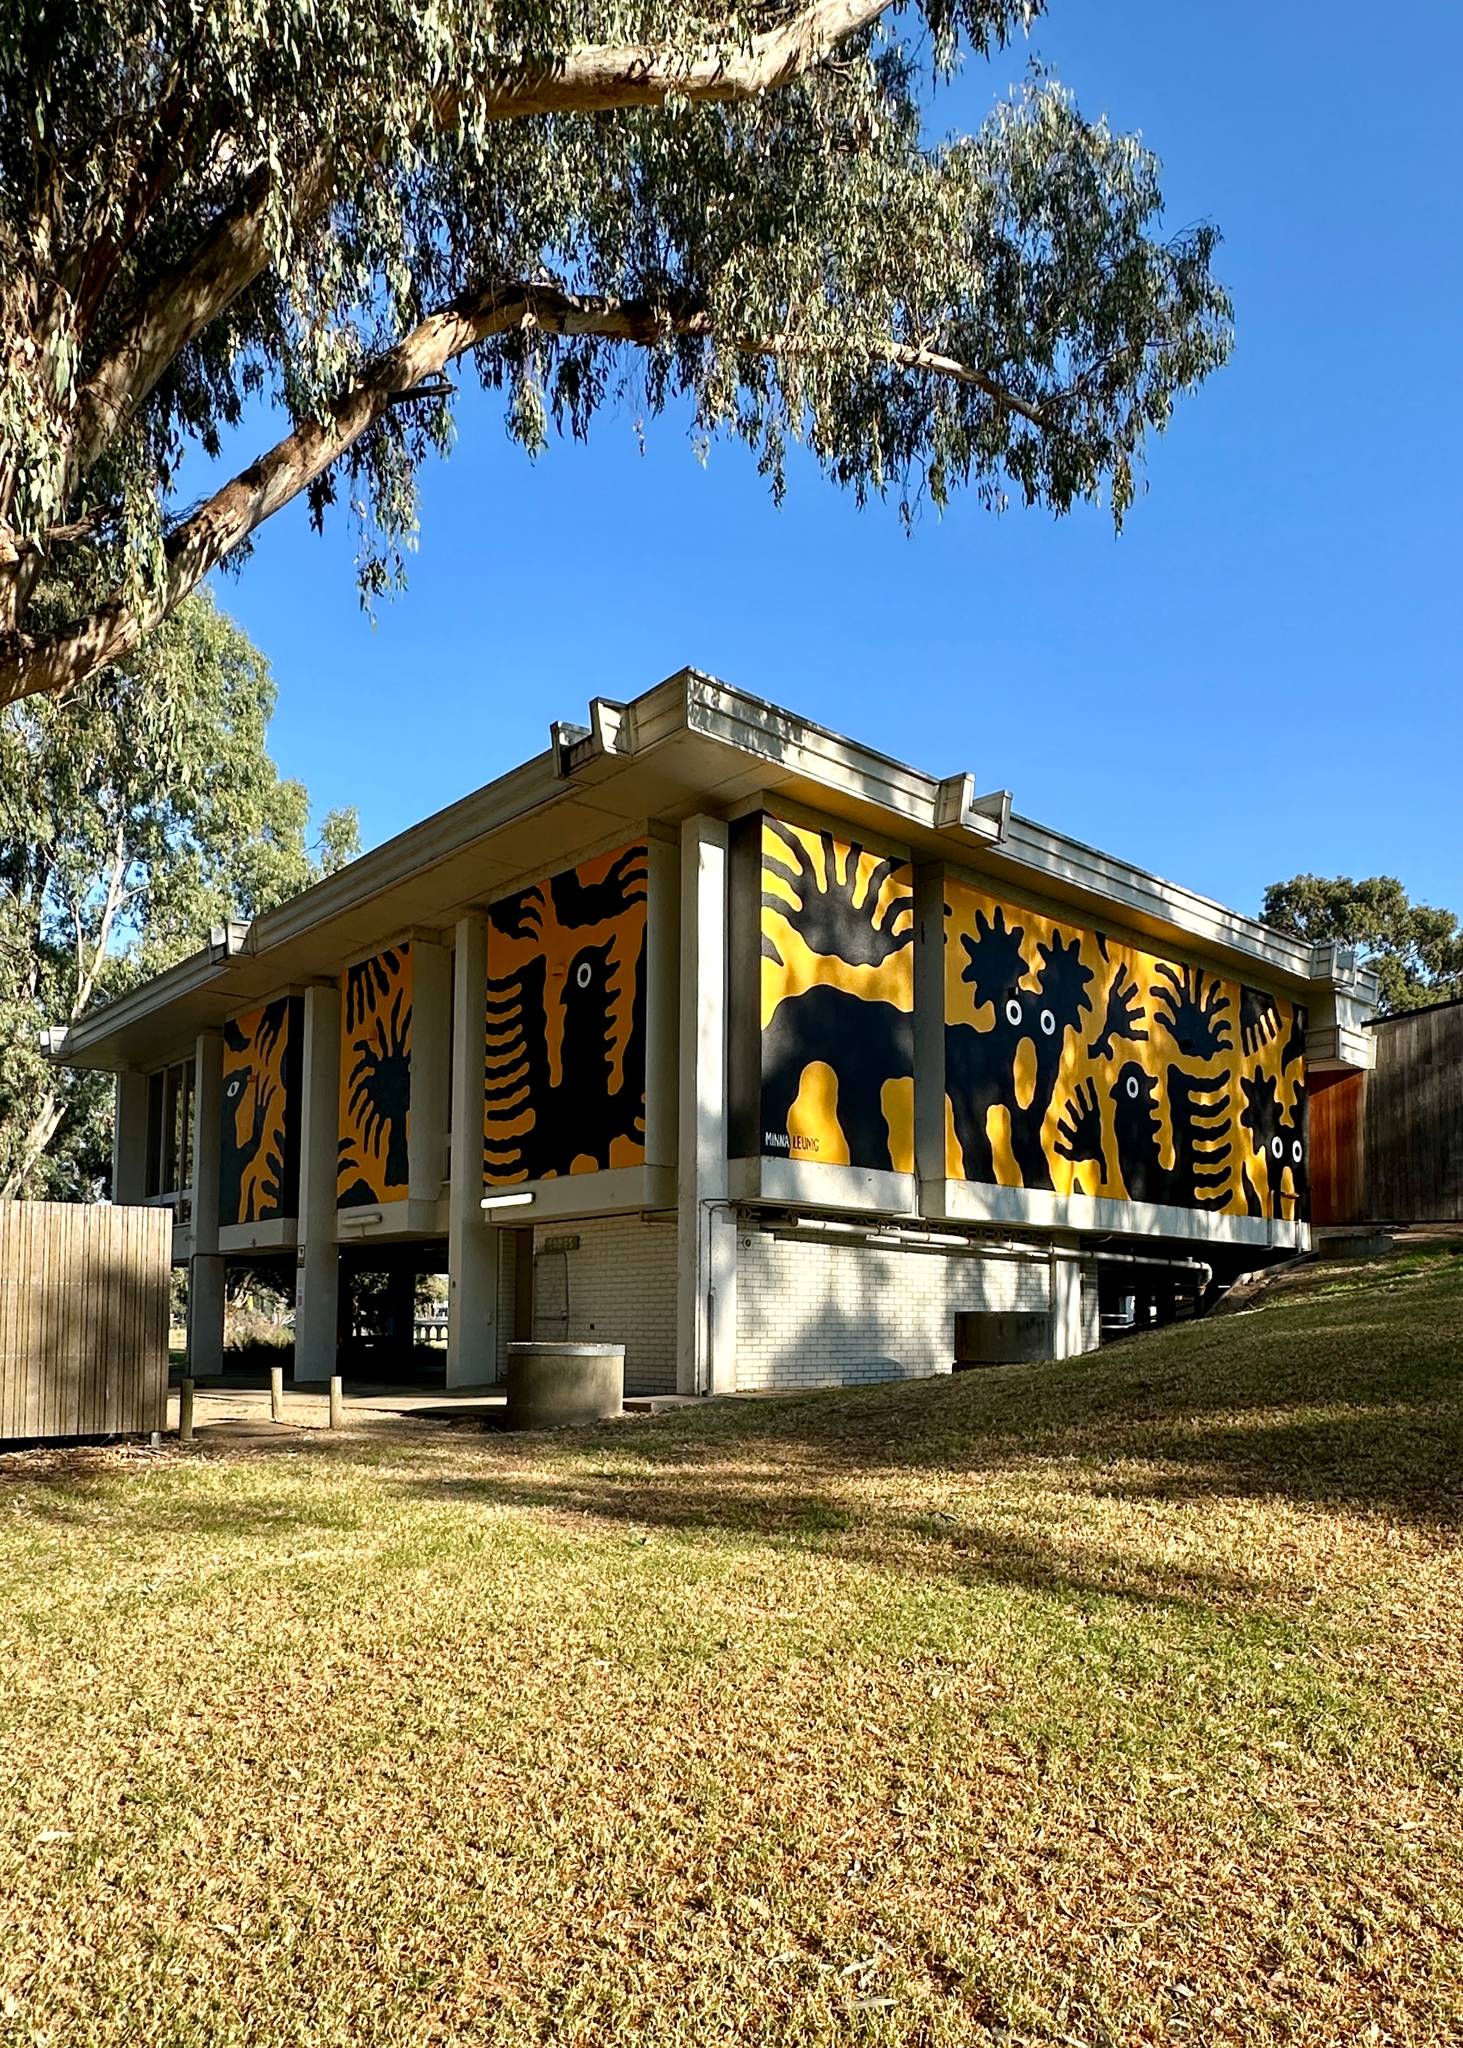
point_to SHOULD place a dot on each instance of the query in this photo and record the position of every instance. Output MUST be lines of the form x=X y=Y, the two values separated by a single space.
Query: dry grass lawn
x=1118 y=1701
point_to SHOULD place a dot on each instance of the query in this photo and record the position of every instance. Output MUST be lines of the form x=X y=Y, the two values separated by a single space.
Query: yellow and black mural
x=564 y=1080
x=375 y=1079
x=837 y=1001
x=1082 y=1065
x=259 y=1163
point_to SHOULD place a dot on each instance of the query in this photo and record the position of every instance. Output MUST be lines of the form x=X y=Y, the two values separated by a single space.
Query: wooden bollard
x=276 y=1393
x=185 y=1412
x=337 y=1398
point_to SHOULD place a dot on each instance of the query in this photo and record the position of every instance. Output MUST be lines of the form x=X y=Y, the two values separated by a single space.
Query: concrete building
x=713 y=1033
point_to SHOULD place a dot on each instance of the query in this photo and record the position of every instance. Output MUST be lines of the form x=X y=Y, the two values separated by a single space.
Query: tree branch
x=599 y=80
x=31 y=667
x=906 y=357
x=233 y=252
x=186 y=298
x=86 y=981
x=42 y=1128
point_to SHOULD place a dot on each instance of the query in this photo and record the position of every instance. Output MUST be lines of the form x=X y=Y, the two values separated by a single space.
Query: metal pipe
x=1140 y=1258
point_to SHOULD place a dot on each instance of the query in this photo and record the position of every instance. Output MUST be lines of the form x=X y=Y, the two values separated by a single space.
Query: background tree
x=1417 y=951
x=134 y=814
x=733 y=201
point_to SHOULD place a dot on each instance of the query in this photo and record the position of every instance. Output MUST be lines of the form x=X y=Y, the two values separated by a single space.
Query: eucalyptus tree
x=1417 y=950
x=135 y=814
x=733 y=202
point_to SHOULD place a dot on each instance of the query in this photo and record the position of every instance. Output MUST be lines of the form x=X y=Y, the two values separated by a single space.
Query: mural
x=1081 y=1065
x=375 y=1079
x=837 y=988
x=564 y=1081
x=259 y=1164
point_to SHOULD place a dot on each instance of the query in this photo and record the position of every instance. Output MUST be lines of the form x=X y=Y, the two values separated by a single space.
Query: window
x=170 y=1098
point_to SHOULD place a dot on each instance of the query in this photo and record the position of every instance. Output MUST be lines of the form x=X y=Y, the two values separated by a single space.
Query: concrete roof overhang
x=689 y=745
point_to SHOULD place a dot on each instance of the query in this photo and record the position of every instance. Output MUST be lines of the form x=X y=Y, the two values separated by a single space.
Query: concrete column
x=472 y=1243
x=1068 y=1334
x=662 y=999
x=129 y=1138
x=317 y=1258
x=431 y=1080
x=706 y=1243
x=929 y=1027
x=205 y=1266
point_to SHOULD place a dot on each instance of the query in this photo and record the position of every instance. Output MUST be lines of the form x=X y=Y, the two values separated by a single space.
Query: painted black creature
x=983 y=1069
x=1079 y=1133
x=581 y=1115
x=378 y=1084
x=242 y=1136
x=1193 y=1010
x=866 y=1042
x=1124 y=1014
x=1259 y=1026
x=1199 y=1113
x=1259 y=1019
x=367 y=984
x=1279 y=1136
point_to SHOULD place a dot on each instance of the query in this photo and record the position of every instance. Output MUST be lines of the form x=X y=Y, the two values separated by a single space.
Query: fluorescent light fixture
x=520 y=1201
x=892 y=1234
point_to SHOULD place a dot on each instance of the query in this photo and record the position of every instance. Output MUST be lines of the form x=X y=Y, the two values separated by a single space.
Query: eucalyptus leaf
x=732 y=206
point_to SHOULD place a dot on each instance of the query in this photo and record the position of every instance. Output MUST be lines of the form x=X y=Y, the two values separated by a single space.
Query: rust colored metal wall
x=1337 y=1105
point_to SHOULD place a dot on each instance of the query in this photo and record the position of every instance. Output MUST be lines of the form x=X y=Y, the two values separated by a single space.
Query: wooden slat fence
x=83 y=1320
x=1413 y=1128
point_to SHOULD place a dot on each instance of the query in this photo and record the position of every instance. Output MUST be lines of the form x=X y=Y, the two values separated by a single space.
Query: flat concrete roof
x=691 y=744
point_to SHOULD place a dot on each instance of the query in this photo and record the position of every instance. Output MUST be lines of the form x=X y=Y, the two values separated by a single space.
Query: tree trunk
x=43 y=1127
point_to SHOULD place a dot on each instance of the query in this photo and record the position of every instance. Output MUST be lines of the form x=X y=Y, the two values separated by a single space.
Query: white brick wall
x=823 y=1314
x=619 y=1286
x=505 y=1299
x=810 y=1313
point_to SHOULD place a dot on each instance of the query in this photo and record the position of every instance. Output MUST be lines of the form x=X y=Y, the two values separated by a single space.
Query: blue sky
x=1260 y=675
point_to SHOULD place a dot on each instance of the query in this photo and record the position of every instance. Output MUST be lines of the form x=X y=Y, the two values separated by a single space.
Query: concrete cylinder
x=563 y=1386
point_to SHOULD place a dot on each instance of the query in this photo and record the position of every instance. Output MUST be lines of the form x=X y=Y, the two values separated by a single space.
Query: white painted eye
x=1013 y=1011
x=583 y=974
x=1048 y=1023
x=1297 y=1150
x=1277 y=1146
x=1133 y=1086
